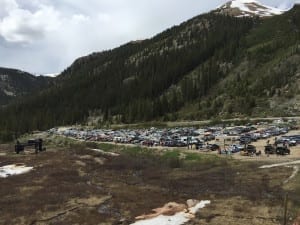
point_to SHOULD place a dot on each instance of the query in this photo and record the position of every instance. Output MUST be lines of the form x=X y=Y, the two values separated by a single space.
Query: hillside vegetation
x=210 y=66
x=16 y=83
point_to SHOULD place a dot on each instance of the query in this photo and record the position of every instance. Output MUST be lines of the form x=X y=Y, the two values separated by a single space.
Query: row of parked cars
x=249 y=137
x=291 y=140
x=280 y=147
x=251 y=150
x=176 y=137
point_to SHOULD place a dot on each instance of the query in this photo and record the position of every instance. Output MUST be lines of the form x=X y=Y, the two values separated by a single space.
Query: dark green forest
x=15 y=83
x=210 y=66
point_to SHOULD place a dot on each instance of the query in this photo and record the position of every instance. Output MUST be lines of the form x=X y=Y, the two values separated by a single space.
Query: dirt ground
x=75 y=185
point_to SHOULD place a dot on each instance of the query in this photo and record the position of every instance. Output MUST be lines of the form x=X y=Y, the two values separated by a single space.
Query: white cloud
x=23 y=26
x=79 y=18
x=6 y=6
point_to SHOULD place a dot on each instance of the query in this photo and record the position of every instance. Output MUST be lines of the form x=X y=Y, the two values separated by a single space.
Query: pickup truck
x=279 y=150
x=283 y=150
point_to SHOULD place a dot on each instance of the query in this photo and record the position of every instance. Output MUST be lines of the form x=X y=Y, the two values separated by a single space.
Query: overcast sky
x=46 y=36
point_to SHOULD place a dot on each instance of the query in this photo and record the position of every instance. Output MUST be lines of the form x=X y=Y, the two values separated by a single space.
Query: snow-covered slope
x=240 y=8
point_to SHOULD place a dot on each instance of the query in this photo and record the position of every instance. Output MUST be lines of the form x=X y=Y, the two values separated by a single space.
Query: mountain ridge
x=15 y=83
x=209 y=66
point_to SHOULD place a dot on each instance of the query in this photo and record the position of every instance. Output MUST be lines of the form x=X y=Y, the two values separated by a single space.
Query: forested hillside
x=264 y=79
x=16 y=83
x=212 y=65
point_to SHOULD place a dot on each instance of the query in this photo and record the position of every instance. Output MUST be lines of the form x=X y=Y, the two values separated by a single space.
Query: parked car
x=285 y=141
x=245 y=140
x=200 y=145
x=265 y=135
x=235 y=148
x=292 y=142
x=214 y=147
x=283 y=150
x=251 y=149
x=269 y=149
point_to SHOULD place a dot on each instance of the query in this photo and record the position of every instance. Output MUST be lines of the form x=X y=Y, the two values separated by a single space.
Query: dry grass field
x=71 y=184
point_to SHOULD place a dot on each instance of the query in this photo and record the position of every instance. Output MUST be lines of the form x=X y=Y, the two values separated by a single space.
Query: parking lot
x=282 y=137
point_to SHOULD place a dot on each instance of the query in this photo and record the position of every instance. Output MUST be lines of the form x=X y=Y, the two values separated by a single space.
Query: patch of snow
x=9 y=93
x=105 y=153
x=3 y=77
x=280 y=164
x=199 y=206
x=176 y=219
x=11 y=170
x=51 y=74
x=241 y=4
x=256 y=8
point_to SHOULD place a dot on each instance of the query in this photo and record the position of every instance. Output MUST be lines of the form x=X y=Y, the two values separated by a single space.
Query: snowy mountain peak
x=241 y=8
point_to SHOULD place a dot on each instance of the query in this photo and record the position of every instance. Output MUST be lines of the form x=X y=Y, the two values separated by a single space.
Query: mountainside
x=241 y=8
x=210 y=66
x=16 y=83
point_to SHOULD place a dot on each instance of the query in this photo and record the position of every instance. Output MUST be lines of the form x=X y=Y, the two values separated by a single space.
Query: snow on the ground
x=51 y=74
x=280 y=164
x=242 y=5
x=11 y=170
x=198 y=206
x=261 y=10
x=105 y=153
x=177 y=219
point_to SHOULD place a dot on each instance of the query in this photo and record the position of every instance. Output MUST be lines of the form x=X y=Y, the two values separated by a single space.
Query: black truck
x=283 y=150
x=37 y=144
x=279 y=150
